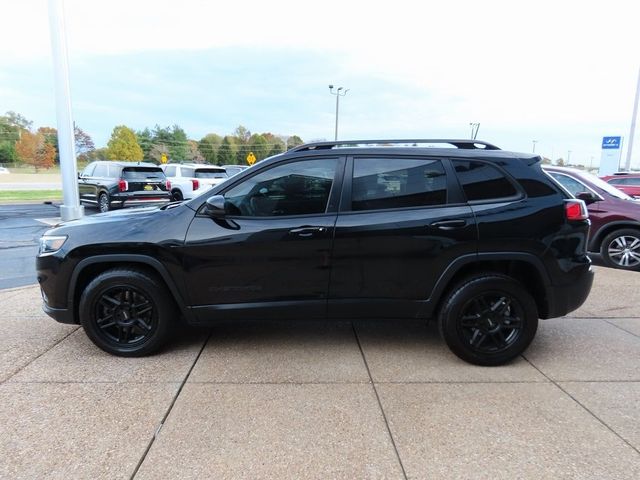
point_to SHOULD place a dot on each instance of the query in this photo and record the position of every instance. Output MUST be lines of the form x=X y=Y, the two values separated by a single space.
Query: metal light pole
x=632 y=131
x=71 y=209
x=474 y=130
x=340 y=92
x=534 y=145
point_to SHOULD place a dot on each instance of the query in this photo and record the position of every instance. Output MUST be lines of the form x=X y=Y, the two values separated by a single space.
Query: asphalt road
x=20 y=228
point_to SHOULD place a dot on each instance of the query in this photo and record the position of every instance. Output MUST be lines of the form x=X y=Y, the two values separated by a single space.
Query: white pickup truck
x=189 y=180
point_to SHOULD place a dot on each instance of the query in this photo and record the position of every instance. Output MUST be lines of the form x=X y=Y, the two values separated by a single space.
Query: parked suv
x=187 y=180
x=629 y=183
x=107 y=185
x=477 y=238
x=615 y=217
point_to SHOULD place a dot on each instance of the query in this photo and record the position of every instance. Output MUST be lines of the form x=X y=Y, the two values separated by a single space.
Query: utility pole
x=627 y=165
x=71 y=209
x=534 y=145
x=340 y=92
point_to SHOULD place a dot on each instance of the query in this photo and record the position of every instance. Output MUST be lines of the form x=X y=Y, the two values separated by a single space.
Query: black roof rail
x=461 y=144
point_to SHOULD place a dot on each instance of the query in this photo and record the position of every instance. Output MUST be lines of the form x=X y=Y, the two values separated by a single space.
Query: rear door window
x=102 y=170
x=383 y=183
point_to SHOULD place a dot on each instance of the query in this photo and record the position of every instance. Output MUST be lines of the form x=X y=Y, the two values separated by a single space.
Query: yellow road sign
x=251 y=158
x=163 y=158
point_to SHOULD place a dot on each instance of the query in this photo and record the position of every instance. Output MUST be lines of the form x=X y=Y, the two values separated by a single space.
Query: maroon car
x=629 y=183
x=615 y=217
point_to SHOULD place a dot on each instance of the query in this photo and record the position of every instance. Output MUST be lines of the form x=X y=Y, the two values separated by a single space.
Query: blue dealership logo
x=611 y=142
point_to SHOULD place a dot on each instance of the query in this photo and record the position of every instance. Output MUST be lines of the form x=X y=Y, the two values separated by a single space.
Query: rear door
x=402 y=222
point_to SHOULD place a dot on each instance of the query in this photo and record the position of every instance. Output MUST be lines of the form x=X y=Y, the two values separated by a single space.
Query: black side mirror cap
x=588 y=197
x=214 y=206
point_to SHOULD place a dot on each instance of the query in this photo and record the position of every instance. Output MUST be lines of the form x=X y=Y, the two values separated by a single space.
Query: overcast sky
x=561 y=73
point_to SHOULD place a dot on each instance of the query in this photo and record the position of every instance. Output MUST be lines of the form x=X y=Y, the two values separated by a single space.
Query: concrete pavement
x=377 y=399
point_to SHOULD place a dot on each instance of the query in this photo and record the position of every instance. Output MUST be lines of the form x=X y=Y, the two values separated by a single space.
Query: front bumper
x=61 y=315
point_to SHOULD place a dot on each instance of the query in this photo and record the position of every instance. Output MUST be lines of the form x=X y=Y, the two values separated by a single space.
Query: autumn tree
x=123 y=145
x=11 y=127
x=276 y=144
x=84 y=143
x=32 y=149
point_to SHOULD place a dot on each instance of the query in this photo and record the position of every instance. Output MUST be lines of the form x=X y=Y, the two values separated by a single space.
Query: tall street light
x=340 y=92
x=534 y=145
x=475 y=126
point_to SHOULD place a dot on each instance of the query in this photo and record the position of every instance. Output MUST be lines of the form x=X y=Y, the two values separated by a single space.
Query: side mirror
x=79 y=175
x=588 y=197
x=214 y=206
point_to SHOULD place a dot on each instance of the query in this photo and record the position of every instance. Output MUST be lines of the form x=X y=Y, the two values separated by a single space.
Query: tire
x=488 y=319
x=621 y=249
x=127 y=312
x=103 y=203
x=177 y=196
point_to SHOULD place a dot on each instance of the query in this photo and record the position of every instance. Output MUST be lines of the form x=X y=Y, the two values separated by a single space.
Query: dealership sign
x=610 y=156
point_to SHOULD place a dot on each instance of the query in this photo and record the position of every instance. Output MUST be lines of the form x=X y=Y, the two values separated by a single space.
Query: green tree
x=123 y=145
x=174 y=139
x=8 y=153
x=209 y=146
x=145 y=139
x=294 y=141
x=227 y=151
x=243 y=134
x=259 y=146
x=276 y=145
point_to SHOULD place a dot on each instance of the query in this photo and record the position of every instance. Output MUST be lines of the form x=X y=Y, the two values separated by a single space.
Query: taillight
x=575 y=209
x=168 y=185
x=123 y=186
x=196 y=184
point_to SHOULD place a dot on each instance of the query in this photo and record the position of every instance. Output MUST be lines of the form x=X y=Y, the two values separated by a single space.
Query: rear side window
x=382 y=183
x=482 y=181
x=102 y=170
x=170 y=171
x=210 y=173
x=142 y=173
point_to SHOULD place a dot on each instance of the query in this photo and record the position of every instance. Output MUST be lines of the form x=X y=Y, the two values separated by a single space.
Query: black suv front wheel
x=127 y=312
x=488 y=319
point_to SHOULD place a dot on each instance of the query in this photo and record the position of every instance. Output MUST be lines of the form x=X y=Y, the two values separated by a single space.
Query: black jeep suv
x=478 y=238
x=106 y=185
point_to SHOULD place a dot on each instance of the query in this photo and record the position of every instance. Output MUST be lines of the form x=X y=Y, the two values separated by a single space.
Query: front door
x=269 y=256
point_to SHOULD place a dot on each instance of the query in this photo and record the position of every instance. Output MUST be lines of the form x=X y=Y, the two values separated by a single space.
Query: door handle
x=307 y=231
x=449 y=224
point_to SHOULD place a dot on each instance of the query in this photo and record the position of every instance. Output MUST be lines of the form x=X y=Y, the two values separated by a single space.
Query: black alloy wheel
x=621 y=249
x=125 y=316
x=103 y=203
x=177 y=196
x=488 y=319
x=127 y=312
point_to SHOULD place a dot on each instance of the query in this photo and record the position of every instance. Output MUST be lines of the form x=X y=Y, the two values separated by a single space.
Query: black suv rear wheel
x=103 y=203
x=127 y=312
x=488 y=319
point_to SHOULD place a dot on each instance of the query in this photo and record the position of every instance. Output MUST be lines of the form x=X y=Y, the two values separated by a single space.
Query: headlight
x=51 y=244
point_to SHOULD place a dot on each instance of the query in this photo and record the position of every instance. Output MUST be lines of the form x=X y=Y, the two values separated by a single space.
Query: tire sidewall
x=100 y=207
x=458 y=298
x=156 y=293
x=608 y=240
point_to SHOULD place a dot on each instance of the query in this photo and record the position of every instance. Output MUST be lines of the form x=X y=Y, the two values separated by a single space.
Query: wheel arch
x=89 y=268
x=596 y=241
x=523 y=267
